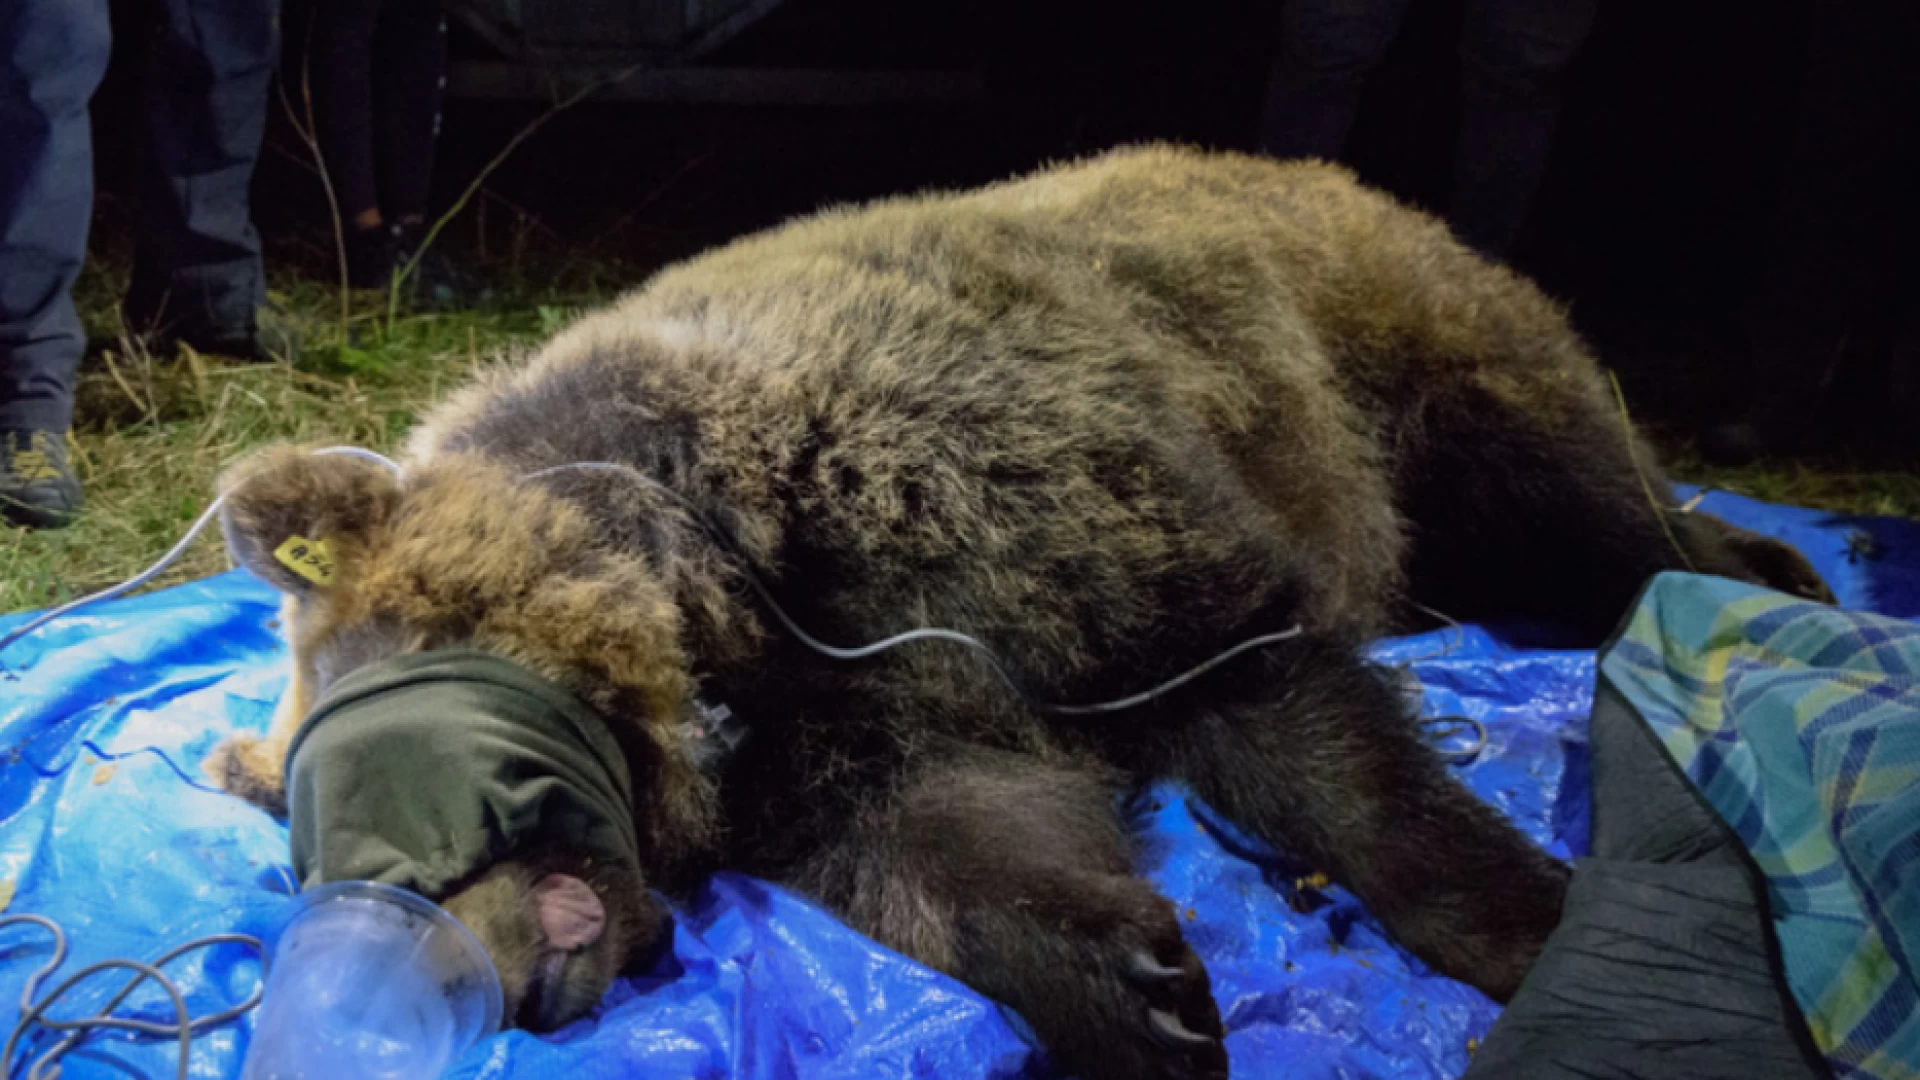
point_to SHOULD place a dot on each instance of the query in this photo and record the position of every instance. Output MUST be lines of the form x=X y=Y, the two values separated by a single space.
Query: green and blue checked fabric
x=1800 y=725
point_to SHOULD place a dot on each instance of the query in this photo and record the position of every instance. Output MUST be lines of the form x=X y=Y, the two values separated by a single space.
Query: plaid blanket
x=1800 y=725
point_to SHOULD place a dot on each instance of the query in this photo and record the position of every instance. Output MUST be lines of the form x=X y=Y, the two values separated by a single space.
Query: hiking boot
x=436 y=280
x=372 y=257
x=375 y=255
x=37 y=487
x=270 y=339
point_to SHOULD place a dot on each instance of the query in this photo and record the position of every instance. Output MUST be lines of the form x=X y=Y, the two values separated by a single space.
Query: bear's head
x=462 y=555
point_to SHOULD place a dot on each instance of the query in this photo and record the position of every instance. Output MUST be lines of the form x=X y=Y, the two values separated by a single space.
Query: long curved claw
x=1170 y=1033
x=1150 y=972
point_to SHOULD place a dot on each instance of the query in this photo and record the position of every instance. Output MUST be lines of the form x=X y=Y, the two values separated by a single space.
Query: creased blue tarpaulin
x=108 y=827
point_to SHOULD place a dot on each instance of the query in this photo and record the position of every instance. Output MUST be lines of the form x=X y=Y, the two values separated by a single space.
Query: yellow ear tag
x=311 y=559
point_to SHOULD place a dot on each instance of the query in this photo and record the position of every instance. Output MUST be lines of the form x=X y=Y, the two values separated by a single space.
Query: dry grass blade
x=1633 y=453
x=306 y=134
x=142 y=402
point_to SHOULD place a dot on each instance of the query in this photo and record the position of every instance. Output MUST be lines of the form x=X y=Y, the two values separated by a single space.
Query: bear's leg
x=1764 y=560
x=253 y=767
x=1314 y=751
x=1014 y=876
x=1515 y=516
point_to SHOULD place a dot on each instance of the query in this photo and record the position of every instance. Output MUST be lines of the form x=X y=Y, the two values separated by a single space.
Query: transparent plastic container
x=370 y=982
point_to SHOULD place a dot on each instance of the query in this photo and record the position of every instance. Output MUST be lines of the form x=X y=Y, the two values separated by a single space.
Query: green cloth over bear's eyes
x=423 y=771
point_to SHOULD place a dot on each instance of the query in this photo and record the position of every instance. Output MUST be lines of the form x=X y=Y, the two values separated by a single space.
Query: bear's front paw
x=251 y=768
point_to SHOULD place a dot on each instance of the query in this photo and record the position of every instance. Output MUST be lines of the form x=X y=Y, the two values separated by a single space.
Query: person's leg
x=53 y=54
x=1328 y=49
x=341 y=64
x=409 y=73
x=1513 y=55
x=409 y=77
x=197 y=274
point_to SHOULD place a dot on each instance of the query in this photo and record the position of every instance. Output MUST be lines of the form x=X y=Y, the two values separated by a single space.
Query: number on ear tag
x=311 y=559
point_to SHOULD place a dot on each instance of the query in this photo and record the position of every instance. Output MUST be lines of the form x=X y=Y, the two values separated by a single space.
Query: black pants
x=197 y=258
x=378 y=69
x=1512 y=54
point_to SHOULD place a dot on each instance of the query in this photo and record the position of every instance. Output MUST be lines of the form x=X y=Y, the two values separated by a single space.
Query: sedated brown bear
x=1109 y=420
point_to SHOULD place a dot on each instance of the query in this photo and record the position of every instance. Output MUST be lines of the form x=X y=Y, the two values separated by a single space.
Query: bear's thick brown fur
x=1111 y=420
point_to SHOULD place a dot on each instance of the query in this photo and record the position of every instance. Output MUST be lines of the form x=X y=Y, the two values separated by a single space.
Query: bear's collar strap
x=423 y=771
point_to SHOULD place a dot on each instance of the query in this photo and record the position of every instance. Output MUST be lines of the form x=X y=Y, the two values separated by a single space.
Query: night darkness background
x=1655 y=216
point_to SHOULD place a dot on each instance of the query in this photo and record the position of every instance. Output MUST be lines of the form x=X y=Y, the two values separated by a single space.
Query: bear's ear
x=300 y=519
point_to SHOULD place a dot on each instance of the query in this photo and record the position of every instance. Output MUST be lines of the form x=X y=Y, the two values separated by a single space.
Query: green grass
x=154 y=432
x=1837 y=487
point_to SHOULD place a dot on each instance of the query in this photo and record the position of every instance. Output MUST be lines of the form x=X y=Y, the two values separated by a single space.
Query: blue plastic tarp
x=108 y=827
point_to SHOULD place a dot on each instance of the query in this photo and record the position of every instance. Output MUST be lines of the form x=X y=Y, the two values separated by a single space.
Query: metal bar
x=718 y=86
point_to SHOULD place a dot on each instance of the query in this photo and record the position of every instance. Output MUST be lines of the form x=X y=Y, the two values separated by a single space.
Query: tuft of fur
x=1110 y=419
